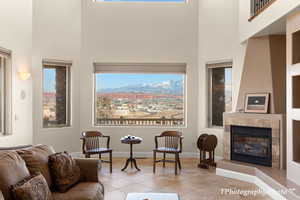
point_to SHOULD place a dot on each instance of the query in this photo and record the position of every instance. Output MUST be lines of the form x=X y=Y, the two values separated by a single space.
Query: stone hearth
x=273 y=121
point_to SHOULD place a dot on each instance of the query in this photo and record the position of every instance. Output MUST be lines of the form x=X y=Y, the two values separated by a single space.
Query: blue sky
x=119 y=80
x=114 y=80
x=49 y=80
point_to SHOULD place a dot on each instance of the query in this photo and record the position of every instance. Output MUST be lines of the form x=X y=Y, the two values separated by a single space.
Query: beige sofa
x=13 y=169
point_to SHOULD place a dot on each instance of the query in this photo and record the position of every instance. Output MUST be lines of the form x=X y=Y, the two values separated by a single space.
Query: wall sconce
x=24 y=75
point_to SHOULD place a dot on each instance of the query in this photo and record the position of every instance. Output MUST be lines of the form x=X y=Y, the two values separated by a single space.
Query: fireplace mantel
x=273 y=121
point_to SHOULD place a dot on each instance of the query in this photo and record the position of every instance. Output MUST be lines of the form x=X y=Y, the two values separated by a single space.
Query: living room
x=203 y=57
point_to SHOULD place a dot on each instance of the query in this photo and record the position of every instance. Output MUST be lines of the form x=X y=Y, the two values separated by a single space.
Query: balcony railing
x=258 y=6
x=140 y=122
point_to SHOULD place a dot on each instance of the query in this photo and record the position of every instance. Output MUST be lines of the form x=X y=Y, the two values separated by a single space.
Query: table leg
x=131 y=160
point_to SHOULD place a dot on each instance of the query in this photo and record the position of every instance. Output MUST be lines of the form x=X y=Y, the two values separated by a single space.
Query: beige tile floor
x=191 y=184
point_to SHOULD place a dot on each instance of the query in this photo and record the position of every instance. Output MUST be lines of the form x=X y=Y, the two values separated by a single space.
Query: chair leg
x=176 y=162
x=87 y=155
x=154 y=161
x=164 y=161
x=110 y=161
x=179 y=163
x=100 y=156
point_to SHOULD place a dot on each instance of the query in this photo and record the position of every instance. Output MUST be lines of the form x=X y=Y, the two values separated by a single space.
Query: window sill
x=56 y=128
x=217 y=128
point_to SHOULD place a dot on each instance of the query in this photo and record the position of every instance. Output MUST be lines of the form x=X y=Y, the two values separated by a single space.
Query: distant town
x=139 y=106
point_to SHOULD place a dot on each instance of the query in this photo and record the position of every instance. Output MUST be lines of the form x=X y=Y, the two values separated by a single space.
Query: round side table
x=131 y=159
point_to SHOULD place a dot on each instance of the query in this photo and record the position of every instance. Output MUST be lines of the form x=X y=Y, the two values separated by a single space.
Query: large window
x=56 y=95
x=5 y=92
x=140 y=96
x=219 y=92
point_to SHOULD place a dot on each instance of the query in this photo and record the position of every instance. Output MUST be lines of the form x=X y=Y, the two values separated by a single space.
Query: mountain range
x=167 y=87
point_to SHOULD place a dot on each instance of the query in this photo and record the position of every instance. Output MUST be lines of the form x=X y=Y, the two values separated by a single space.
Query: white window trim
x=6 y=87
x=178 y=68
x=60 y=63
x=209 y=66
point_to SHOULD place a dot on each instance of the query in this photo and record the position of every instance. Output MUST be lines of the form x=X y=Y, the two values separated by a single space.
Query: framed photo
x=257 y=103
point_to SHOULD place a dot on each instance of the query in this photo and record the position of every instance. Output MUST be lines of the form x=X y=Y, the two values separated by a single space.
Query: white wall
x=140 y=32
x=133 y=32
x=277 y=10
x=218 y=40
x=56 y=35
x=16 y=35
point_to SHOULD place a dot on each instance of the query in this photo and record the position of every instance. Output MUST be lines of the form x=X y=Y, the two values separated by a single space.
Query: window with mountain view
x=141 y=99
x=56 y=104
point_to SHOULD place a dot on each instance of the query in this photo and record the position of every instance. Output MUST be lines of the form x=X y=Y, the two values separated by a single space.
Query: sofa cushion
x=37 y=158
x=64 y=171
x=32 y=188
x=12 y=170
x=82 y=191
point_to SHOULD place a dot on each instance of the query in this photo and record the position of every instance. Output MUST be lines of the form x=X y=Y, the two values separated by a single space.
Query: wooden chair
x=171 y=144
x=95 y=142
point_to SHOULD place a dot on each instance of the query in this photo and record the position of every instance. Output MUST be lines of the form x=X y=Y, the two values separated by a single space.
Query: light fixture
x=24 y=75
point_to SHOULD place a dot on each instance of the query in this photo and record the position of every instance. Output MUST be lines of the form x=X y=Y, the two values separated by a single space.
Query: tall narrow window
x=140 y=94
x=56 y=95
x=5 y=92
x=219 y=92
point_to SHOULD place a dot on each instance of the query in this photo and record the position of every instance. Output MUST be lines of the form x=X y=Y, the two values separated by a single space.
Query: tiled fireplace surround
x=273 y=121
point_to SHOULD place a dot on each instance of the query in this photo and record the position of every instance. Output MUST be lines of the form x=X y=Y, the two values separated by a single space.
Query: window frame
x=6 y=88
x=3 y=94
x=209 y=67
x=125 y=65
x=48 y=63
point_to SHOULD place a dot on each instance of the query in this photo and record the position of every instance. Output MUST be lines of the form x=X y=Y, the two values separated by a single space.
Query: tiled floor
x=191 y=184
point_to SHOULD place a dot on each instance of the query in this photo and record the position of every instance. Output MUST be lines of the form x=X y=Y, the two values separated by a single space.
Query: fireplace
x=252 y=145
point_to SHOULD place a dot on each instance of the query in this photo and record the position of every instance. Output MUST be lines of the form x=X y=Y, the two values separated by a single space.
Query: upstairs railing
x=140 y=122
x=258 y=6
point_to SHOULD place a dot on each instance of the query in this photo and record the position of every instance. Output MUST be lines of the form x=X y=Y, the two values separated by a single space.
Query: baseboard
x=251 y=179
x=148 y=155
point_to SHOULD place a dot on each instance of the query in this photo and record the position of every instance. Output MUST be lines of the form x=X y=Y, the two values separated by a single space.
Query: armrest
x=89 y=169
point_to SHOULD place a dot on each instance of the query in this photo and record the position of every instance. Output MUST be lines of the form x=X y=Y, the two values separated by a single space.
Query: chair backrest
x=91 y=134
x=171 y=139
x=94 y=140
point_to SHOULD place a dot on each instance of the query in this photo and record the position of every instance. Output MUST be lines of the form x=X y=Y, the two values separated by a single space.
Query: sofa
x=13 y=169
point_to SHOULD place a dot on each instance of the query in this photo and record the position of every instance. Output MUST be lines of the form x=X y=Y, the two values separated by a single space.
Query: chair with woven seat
x=169 y=142
x=94 y=142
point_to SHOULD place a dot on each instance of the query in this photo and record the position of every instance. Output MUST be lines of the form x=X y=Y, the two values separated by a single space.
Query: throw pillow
x=32 y=188
x=36 y=159
x=64 y=171
x=12 y=170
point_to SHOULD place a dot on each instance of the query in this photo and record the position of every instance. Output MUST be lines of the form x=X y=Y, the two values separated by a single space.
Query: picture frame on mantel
x=257 y=103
